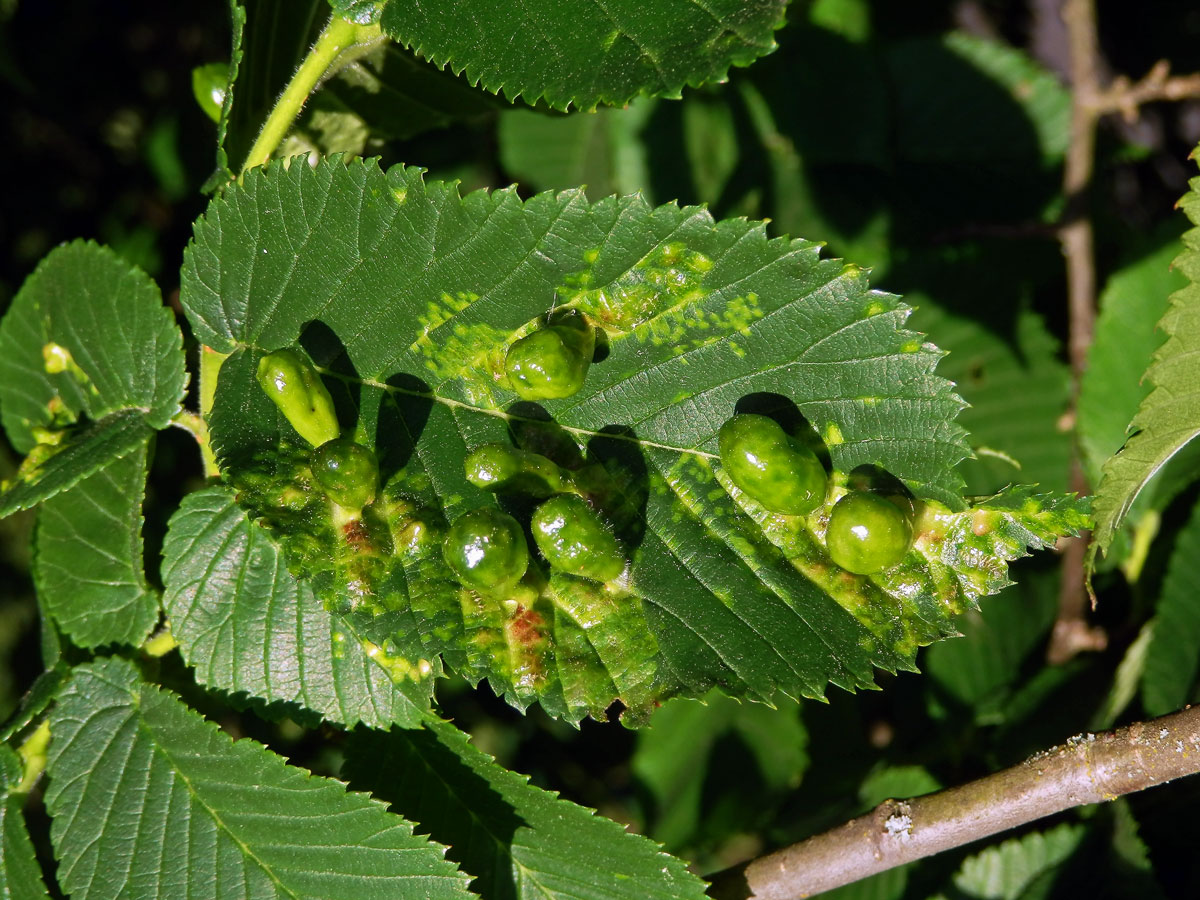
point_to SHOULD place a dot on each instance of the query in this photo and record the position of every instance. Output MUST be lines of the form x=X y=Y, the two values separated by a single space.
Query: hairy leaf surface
x=586 y=52
x=518 y=841
x=89 y=566
x=20 y=874
x=248 y=625
x=408 y=308
x=150 y=800
x=1169 y=417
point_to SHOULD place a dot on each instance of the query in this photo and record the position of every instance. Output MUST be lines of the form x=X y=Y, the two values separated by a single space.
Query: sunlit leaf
x=247 y=625
x=409 y=313
x=1169 y=417
x=588 y=52
x=149 y=799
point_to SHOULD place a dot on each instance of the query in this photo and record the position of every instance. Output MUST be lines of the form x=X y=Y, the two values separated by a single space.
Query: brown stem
x=1086 y=769
x=1125 y=97
x=1071 y=632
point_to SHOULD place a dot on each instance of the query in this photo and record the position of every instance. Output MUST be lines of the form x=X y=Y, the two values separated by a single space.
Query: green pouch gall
x=867 y=533
x=772 y=467
x=573 y=539
x=295 y=387
x=347 y=472
x=486 y=549
x=552 y=362
x=496 y=467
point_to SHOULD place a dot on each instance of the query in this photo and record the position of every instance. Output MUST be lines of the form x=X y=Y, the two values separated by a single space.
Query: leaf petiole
x=339 y=43
x=33 y=757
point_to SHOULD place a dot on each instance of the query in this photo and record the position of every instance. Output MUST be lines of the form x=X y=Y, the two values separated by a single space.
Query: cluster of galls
x=486 y=547
x=345 y=470
x=867 y=532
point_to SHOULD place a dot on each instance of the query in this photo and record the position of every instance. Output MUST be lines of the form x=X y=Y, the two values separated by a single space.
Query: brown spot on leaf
x=356 y=535
x=525 y=626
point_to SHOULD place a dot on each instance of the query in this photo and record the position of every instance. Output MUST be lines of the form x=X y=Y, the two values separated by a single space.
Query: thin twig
x=1126 y=97
x=1071 y=631
x=1087 y=769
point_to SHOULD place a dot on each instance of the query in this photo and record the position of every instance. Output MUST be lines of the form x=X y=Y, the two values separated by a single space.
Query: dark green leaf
x=1126 y=339
x=887 y=885
x=1173 y=657
x=409 y=313
x=150 y=800
x=1169 y=417
x=518 y=841
x=385 y=95
x=556 y=152
x=89 y=565
x=897 y=782
x=39 y=696
x=595 y=53
x=1018 y=110
x=82 y=453
x=102 y=323
x=1127 y=335
x=685 y=762
x=1018 y=391
x=1006 y=870
x=246 y=624
x=978 y=669
x=20 y=874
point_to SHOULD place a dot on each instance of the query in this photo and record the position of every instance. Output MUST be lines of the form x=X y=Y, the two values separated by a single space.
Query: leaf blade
x=601 y=53
x=81 y=455
x=129 y=759
x=124 y=349
x=408 y=315
x=1173 y=656
x=245 y=624
x=89 y=566
x=1169 y=417
x=517 y=840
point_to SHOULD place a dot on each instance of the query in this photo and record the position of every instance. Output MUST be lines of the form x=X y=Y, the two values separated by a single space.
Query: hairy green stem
x=160 y=644
x=33 y=757
x=210 y=367
x=327 y=54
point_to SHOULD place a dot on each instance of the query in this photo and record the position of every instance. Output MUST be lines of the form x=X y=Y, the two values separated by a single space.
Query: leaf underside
x=518 y=841
x=150 y=800
x=586 y=52
x=408 y=308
